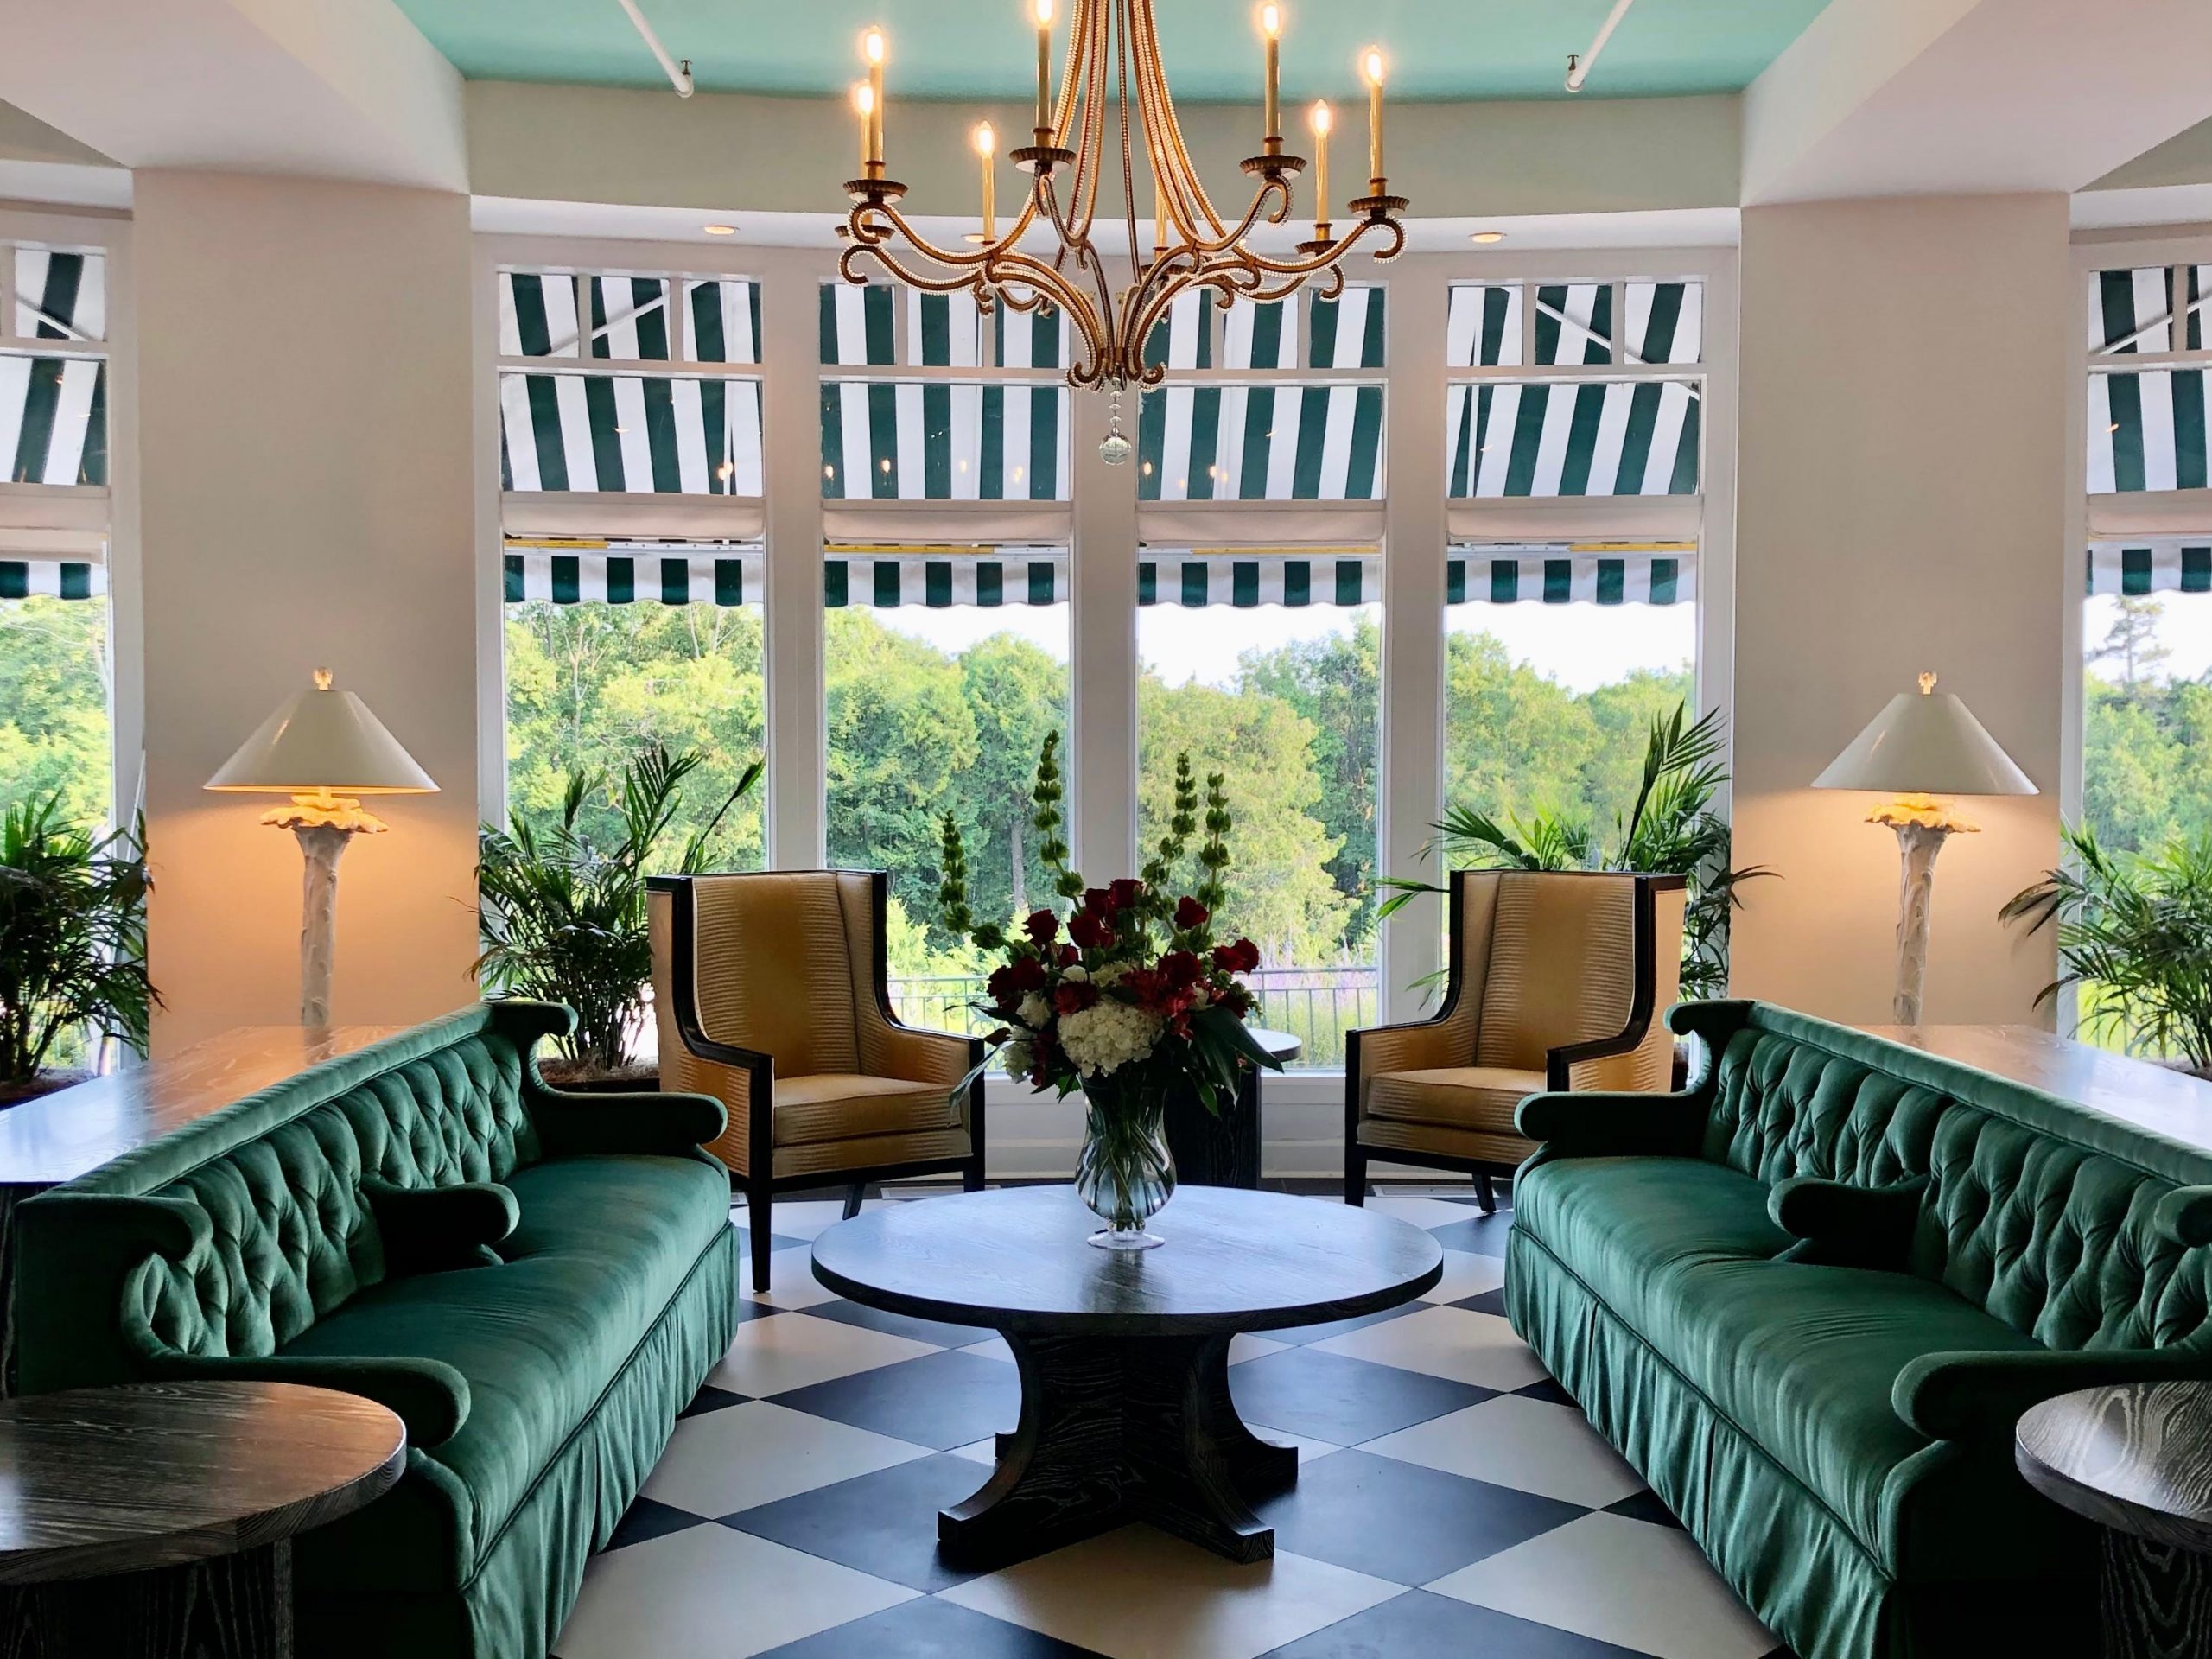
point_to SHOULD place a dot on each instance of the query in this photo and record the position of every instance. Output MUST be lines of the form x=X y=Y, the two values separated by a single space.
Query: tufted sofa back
x=270 y=1188
x=2041 y=1212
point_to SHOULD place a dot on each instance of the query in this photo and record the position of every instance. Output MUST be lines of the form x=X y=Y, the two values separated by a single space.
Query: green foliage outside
x=54 y=691
x=2146 y=738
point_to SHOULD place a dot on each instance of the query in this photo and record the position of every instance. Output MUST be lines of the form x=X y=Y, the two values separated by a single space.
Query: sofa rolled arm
x=1948 y=1397
x=429 y=1396
x=1601 y=1124
x=1839 y=1225
x=645 y=1122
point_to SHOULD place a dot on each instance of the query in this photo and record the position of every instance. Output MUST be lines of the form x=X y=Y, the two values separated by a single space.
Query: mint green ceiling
x=979 y=49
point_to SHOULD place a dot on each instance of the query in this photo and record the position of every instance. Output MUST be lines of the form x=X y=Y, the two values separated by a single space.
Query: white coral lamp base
x=324 y=823
x=1923 y=825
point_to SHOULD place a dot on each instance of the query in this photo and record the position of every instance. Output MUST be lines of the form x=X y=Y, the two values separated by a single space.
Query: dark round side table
x=2137 y=1460
x=1126 y=1414
x=1223 y=1149
x=157 y=1520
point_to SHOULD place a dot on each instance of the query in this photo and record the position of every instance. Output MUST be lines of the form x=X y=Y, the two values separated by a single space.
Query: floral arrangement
x=1129 y=994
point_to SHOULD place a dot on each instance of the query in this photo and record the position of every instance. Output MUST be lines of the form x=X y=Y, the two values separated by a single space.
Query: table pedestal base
x=228 y=1607
x=1116 y=1429
x=2158 y=1600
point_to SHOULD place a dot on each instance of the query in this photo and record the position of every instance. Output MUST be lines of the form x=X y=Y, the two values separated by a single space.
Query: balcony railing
x=1315 y=1005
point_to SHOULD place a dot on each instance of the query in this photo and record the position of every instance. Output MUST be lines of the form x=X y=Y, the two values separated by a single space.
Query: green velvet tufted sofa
x=1809 y=1298
x=535 y=1282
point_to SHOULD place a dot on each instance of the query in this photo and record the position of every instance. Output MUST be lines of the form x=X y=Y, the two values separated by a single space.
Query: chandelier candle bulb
x=1371 y=64
x=872 y=47
x=1044 y=71
x=1271 y=29
x=1320 y=120
x=864 y=106
x=987 y=144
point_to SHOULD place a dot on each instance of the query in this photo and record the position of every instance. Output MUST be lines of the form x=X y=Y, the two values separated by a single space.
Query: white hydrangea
x=1033 y=1011
x=1101 y=1038
x=1016 y=1058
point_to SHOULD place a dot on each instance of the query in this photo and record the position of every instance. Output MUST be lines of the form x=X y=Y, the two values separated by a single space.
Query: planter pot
x=47 y=1083
x=572 y=1078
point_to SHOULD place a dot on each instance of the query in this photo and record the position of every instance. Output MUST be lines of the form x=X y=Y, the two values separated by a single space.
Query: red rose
x=1096 y=901
x=1235 y=998
x=1190 y=913
x=1091 y=932
x=1125 y=894
x=1181 y=970
x=1241 y=957
x=1042 y=927
x=1028 y=973
x=1074 y=996
x=1069 y=955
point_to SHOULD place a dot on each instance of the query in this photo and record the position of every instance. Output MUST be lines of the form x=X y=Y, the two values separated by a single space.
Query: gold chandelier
x=1113 y=96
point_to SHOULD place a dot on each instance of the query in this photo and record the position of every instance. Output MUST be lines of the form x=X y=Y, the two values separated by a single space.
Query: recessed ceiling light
x=719 y=230
x=1489 y=236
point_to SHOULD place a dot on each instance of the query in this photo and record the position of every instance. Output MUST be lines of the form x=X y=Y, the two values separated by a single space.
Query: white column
x=1412 y=788
x=1103 y=669
x=791 y=441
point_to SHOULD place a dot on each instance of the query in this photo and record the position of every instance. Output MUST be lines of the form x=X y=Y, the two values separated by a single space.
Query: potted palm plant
x=563 y=916
x=1671 y=829
x=73 y=947
x=2135 y=934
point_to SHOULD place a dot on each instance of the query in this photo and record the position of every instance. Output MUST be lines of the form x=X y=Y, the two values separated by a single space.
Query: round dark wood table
x=1126 y=1413
x=157 y=1520
x=2137 y=1460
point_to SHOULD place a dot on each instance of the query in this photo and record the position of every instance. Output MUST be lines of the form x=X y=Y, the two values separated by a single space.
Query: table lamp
x=323 y=749
x=1923 y=747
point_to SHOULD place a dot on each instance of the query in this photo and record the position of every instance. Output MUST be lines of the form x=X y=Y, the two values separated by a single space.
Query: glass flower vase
x=1125 y=1175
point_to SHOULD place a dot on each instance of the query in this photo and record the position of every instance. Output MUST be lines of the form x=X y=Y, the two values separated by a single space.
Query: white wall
x=308 y=468
x=1908 y=371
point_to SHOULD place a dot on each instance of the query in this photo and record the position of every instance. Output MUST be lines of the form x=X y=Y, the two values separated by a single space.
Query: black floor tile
x=883 y=1523
x=1482 y=1234
x=930 y=1629
x=1299 y=1335
x=1489 y=1301
x=1418 y=1626
x=1402 y=1521
x=1343 y=1401
x=645 y=1519
x=710 y=1398
x=1548 y=1391
x=749 y=1309
x=899 y=1325
x=1645 y=1506
x=939 y=1400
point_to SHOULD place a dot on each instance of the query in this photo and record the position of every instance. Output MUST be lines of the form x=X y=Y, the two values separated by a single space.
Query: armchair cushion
x=1458 y=1097
x=1839 y=1225
x=436 y=1229
x=843 y=1106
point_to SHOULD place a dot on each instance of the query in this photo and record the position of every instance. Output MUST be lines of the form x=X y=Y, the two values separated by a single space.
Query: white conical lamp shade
x=1925 y=742
x=323 y=739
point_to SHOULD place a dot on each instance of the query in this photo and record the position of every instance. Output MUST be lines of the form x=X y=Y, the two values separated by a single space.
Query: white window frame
x=1415 y=527
x=104 y=521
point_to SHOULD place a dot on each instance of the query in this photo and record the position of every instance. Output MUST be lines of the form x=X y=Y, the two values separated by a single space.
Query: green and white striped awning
x=2147 y=427
x=633 y=573
x=53 y=410
x=1571 y=574
x=52 y=578
x=2174 y=565
x=940 y=579
x=629 y=433
x=1247 y=583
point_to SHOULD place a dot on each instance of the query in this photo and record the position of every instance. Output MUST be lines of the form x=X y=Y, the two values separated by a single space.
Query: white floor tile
x=793 y=1350
x=1425 y=1212
x=1604 y=1576
x=1466 y=1273
x=711 y=1589
x=1244 y=1346
x=983 y=1452
x=1530 y=1444
x=1191 y=1604
x=1307 y=1450
x=1450 y=1342
x=791 y=1282
x=743 y=1455
x=992 y=1347
x=803 y=1218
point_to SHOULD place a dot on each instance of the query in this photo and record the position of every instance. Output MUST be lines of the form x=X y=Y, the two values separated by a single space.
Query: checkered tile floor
x=1451 y=1501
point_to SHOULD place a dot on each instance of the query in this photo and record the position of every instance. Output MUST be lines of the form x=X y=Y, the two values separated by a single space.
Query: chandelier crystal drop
x=1114 y=282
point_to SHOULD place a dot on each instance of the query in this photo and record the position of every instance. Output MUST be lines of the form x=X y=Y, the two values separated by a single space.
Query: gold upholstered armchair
x=1556 y=980
x=772 y=996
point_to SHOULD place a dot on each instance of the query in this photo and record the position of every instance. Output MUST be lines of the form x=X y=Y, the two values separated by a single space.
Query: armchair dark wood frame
x=760 y=1183
x=1556 y=1061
